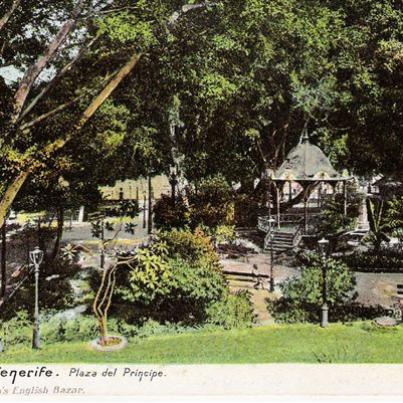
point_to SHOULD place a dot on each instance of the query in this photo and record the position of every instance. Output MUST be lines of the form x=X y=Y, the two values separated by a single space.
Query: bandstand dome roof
x=306 y=162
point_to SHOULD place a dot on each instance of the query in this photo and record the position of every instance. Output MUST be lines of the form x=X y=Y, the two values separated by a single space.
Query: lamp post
x=36 y=257
x=324 y=317
x=269 y=237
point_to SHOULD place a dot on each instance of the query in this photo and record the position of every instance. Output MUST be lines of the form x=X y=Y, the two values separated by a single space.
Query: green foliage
x=210 y=205
x=55 y=289
x=56 y=329
x=124 y=27
x=169 y=214
x=233 y=311
x=211 y=202
x=192 y=246
x=333 y=219
x=17 y=330
x=150 y=277
x=394 y=218
x=176 y=278
x=376 y=222
x=225 y=233
x=302 y=296
x=384 y=259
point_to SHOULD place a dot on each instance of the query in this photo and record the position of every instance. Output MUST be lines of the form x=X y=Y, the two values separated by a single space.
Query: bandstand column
x=278 y=206
x=345 y=197
x=306 y=197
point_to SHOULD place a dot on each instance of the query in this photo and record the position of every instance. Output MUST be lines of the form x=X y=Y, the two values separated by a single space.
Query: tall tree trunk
x=11 y=193
x=59 y=232
x=3 y=260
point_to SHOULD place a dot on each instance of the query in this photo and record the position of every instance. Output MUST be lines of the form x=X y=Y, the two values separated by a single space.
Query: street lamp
x=324 y=317
x=36 y=257
x=269 y=238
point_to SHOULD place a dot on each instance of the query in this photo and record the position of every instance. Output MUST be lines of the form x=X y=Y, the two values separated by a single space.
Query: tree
x=132 y=28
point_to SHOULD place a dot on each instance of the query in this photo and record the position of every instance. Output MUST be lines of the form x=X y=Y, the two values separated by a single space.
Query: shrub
x=16 y=330
x=175 y=279
x=394 y=217
x=169 y=215
x=302 y=297
x=225 y=233
x=211 y=202
x=233 y=311
x=54 y=329
x=177 y=291
x=191 y=246
x=247 y=209
x=385 y=259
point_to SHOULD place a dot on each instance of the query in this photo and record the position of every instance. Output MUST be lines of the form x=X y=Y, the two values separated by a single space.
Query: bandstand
x=296 y=189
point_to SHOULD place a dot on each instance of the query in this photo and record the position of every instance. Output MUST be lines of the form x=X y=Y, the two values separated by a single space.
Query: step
x=277 y=248
x=282 y=237
x=284 y=234
x=281 y=243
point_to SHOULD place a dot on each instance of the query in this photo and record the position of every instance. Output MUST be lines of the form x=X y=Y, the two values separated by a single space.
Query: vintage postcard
x=201 y=198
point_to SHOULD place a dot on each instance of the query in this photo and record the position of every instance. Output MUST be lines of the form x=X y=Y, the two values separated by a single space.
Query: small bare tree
x=103 y=298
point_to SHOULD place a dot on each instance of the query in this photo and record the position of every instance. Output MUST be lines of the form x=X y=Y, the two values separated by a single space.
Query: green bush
x=385 y=259
x=17 y=330
x=302 y=296
x=211 y=202
x=169 y=215
x=180 y=293
x=232 y=311
x=175 y=279
x=191 y=246
x=225 y=233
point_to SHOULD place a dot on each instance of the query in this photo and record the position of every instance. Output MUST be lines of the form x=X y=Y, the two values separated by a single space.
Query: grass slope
x=357 y=343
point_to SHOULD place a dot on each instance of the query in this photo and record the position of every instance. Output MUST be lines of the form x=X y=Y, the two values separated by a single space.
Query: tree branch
x=57 y=77
x=186 y=9
x=35 y=69
x=7 y=16
x=54 y=111
x=107 y=91
x=61 y=107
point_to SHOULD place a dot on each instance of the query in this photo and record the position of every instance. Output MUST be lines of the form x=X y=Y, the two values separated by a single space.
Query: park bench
x=397 y=303
x=395 y=313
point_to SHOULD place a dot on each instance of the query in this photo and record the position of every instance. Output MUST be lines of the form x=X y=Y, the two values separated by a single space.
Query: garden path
x=245 y=265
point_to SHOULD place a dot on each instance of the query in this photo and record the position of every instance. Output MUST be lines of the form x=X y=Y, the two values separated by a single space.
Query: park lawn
x=356 y=343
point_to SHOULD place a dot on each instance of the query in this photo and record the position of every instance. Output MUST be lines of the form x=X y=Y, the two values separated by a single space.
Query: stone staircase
x=282 y=241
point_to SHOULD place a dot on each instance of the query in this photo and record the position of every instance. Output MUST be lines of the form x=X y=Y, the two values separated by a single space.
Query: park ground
x=358 y=342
